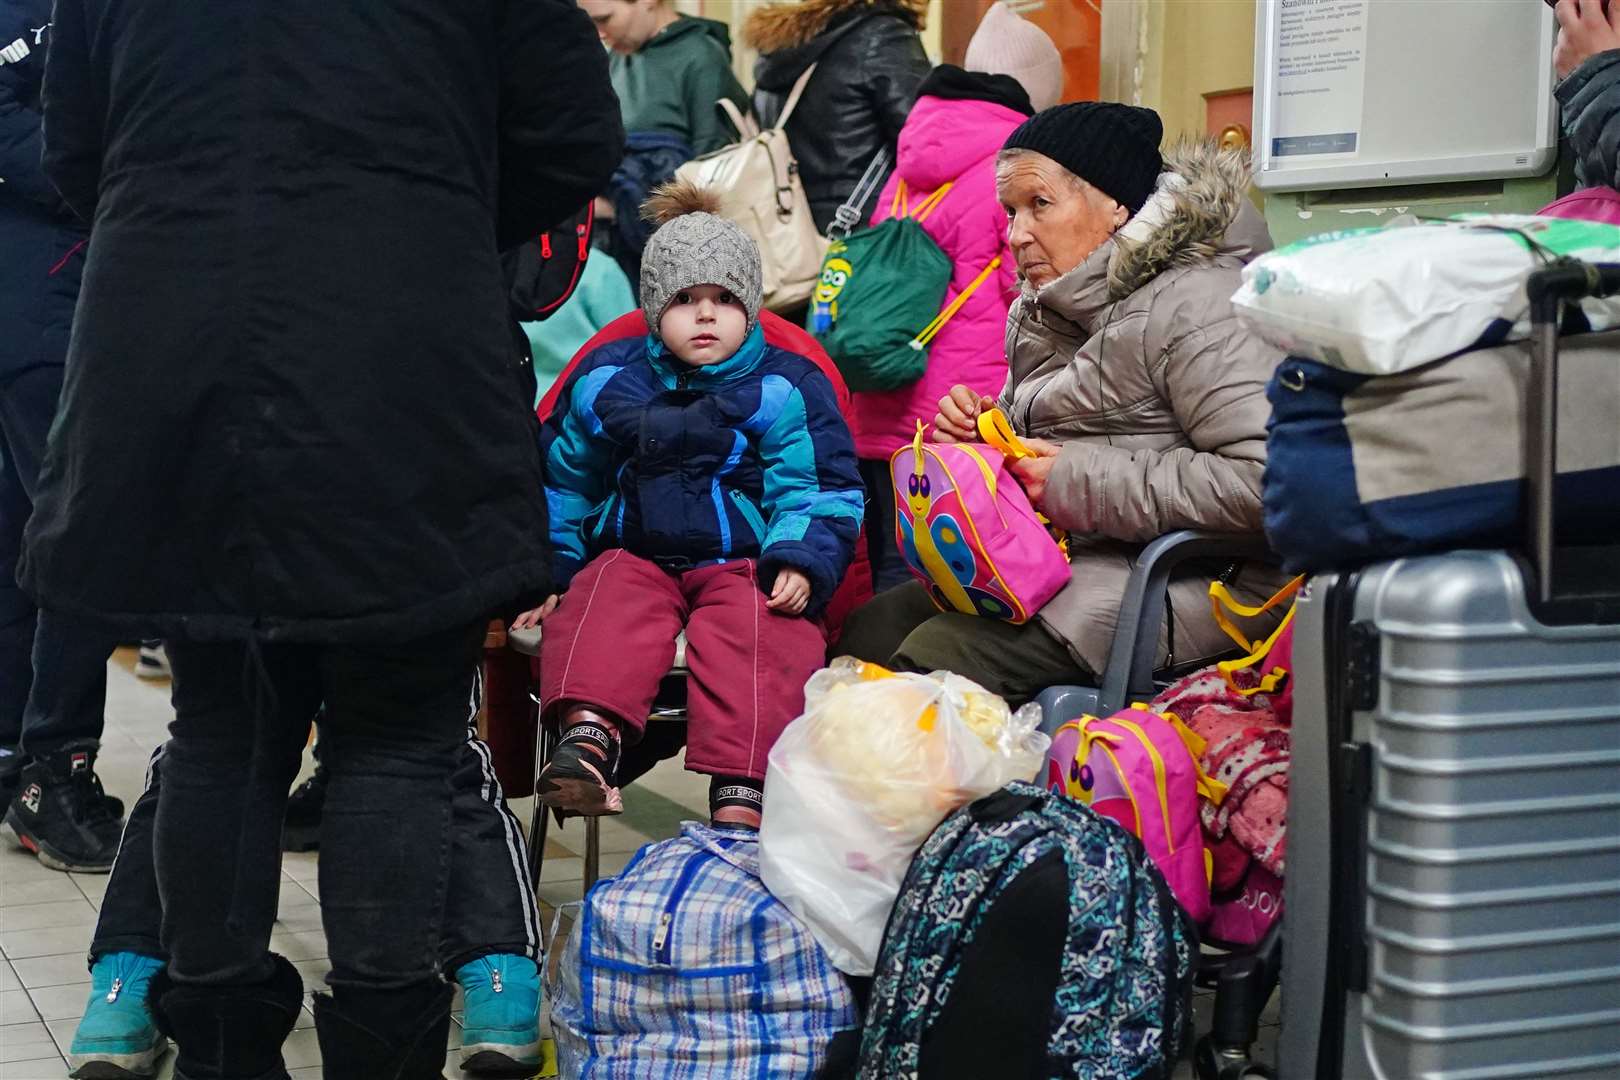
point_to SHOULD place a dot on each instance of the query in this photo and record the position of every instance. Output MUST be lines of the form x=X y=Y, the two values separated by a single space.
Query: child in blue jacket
x=697 y=479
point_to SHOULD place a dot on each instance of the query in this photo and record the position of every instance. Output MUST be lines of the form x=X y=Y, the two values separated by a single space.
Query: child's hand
x=530 y=619
x=791 y=594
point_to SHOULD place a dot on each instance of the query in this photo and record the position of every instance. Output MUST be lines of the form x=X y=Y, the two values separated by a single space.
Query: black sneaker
x=301 y=829
x=62 y=814
x=579 y=781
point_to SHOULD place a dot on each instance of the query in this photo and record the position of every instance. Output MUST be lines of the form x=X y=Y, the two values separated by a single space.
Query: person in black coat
x=870 y=62
x=291 y=445
x=50 y=725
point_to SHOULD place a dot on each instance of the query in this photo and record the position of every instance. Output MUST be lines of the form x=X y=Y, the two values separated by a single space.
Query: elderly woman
x=1131 y=378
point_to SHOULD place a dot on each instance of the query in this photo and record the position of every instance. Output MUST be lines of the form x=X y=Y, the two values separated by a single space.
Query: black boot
x=301 y=829
x=229 y=1032
x=62 y=814
x=384 y=1034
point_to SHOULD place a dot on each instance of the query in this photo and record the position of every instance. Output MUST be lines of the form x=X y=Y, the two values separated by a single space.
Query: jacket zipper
x=750 y=513
x=545 y=245
x=494 y=977
x=117 y=986
x=607 y=512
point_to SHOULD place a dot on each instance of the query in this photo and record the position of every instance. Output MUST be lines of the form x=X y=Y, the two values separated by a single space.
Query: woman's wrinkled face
x=1053 y=223
x=623 y=25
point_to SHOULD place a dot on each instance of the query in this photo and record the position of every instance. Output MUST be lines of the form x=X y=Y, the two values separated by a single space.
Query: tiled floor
x=46 y=918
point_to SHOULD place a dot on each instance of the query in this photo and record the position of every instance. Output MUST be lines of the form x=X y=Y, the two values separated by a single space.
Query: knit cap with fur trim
x=694 y=246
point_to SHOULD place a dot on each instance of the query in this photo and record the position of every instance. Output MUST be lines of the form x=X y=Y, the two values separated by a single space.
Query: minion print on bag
x=835 y=274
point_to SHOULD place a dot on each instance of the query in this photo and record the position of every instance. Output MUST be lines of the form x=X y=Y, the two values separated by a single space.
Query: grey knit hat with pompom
x=694 y=246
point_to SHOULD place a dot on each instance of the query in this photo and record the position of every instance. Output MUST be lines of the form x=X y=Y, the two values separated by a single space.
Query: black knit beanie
x=1113 y=147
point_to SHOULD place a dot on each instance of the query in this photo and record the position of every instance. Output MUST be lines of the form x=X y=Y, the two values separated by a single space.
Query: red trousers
x=612 y=641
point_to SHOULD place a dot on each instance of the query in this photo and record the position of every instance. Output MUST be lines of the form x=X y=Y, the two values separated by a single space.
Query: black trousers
x=889 y=568
x=53 y=669
x=490 y=907
x=394 y=734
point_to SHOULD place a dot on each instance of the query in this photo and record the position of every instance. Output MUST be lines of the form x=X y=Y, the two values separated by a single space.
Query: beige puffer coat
x=1134 y=362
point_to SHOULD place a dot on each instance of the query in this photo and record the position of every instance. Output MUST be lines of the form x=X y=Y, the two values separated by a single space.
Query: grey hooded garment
x=1135 y=363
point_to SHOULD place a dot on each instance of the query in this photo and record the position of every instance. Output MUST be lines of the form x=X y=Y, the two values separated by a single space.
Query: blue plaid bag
x=1124 y=992
x=684 y=967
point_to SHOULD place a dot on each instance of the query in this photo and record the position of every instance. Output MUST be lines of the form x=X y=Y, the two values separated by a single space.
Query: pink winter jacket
x=947 y=140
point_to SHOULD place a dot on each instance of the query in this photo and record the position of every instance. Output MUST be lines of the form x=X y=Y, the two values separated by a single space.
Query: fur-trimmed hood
x=1199 y=215
x=794 y=23
x=1135 y=364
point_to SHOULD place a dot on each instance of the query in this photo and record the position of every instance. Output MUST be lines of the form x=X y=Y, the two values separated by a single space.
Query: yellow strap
x=996 y=429
x=897 y=208
x=930 y=204
x=928 y=332
x=1269 y=680
x=1209 y=787
x=1220 y=598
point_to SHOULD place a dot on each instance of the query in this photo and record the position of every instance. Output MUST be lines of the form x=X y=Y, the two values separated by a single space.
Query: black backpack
x=544 y=272
x=1030 y=916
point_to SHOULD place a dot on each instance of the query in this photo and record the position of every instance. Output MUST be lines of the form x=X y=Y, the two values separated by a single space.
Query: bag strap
x=930 y=204
x=929 y=332
x=900 y=206
x=793 y=97
x=848 y=216
x=746 y=128
x=1219 y=597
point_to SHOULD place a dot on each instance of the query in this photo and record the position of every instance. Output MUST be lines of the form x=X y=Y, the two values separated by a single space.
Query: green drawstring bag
x=877 y=303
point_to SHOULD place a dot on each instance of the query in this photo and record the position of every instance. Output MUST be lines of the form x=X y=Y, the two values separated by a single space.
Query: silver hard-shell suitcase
x=1453 y=889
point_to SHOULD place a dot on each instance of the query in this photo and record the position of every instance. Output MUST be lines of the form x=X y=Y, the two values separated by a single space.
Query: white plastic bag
x=1383 y=301
x=858 y=782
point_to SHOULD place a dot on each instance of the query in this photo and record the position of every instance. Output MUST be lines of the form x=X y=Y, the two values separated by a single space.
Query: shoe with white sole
x=500 y=1025
x=117 y=1039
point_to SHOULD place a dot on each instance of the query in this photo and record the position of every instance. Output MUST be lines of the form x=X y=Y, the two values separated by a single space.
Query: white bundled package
x=1382 y=301
x=858 y=782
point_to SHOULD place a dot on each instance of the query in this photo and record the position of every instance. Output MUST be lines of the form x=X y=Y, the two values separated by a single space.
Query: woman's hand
x=958 y=419
x=530 y=619
x=1034 y=472
x=1584 y=30
x=791 y=593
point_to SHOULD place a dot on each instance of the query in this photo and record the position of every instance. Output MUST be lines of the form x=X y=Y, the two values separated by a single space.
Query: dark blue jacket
x=41 y=242
x=745 y=459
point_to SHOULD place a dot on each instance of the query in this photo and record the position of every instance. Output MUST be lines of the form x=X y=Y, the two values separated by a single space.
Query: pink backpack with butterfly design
x=1141 y=769
x=967 y=529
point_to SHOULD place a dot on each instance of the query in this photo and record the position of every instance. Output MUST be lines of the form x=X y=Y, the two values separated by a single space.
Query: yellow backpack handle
x=996 y=429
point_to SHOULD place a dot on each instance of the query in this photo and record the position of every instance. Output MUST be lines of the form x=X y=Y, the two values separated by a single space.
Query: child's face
x=703 y=325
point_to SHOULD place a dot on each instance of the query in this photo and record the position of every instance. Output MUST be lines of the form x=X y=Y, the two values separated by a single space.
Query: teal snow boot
x=501 y=1019
x=118 y=1039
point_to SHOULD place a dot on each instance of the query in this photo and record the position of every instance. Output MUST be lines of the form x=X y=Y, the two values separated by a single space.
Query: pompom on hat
x=694 y=246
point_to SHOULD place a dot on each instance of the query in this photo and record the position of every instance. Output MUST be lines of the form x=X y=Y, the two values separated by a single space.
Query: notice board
x=1352 y=93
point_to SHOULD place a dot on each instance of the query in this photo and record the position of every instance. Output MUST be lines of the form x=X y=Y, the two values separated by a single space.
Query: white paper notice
x=1321 y=57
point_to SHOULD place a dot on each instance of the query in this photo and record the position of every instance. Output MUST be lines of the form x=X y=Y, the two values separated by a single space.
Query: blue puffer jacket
x=745 y=459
